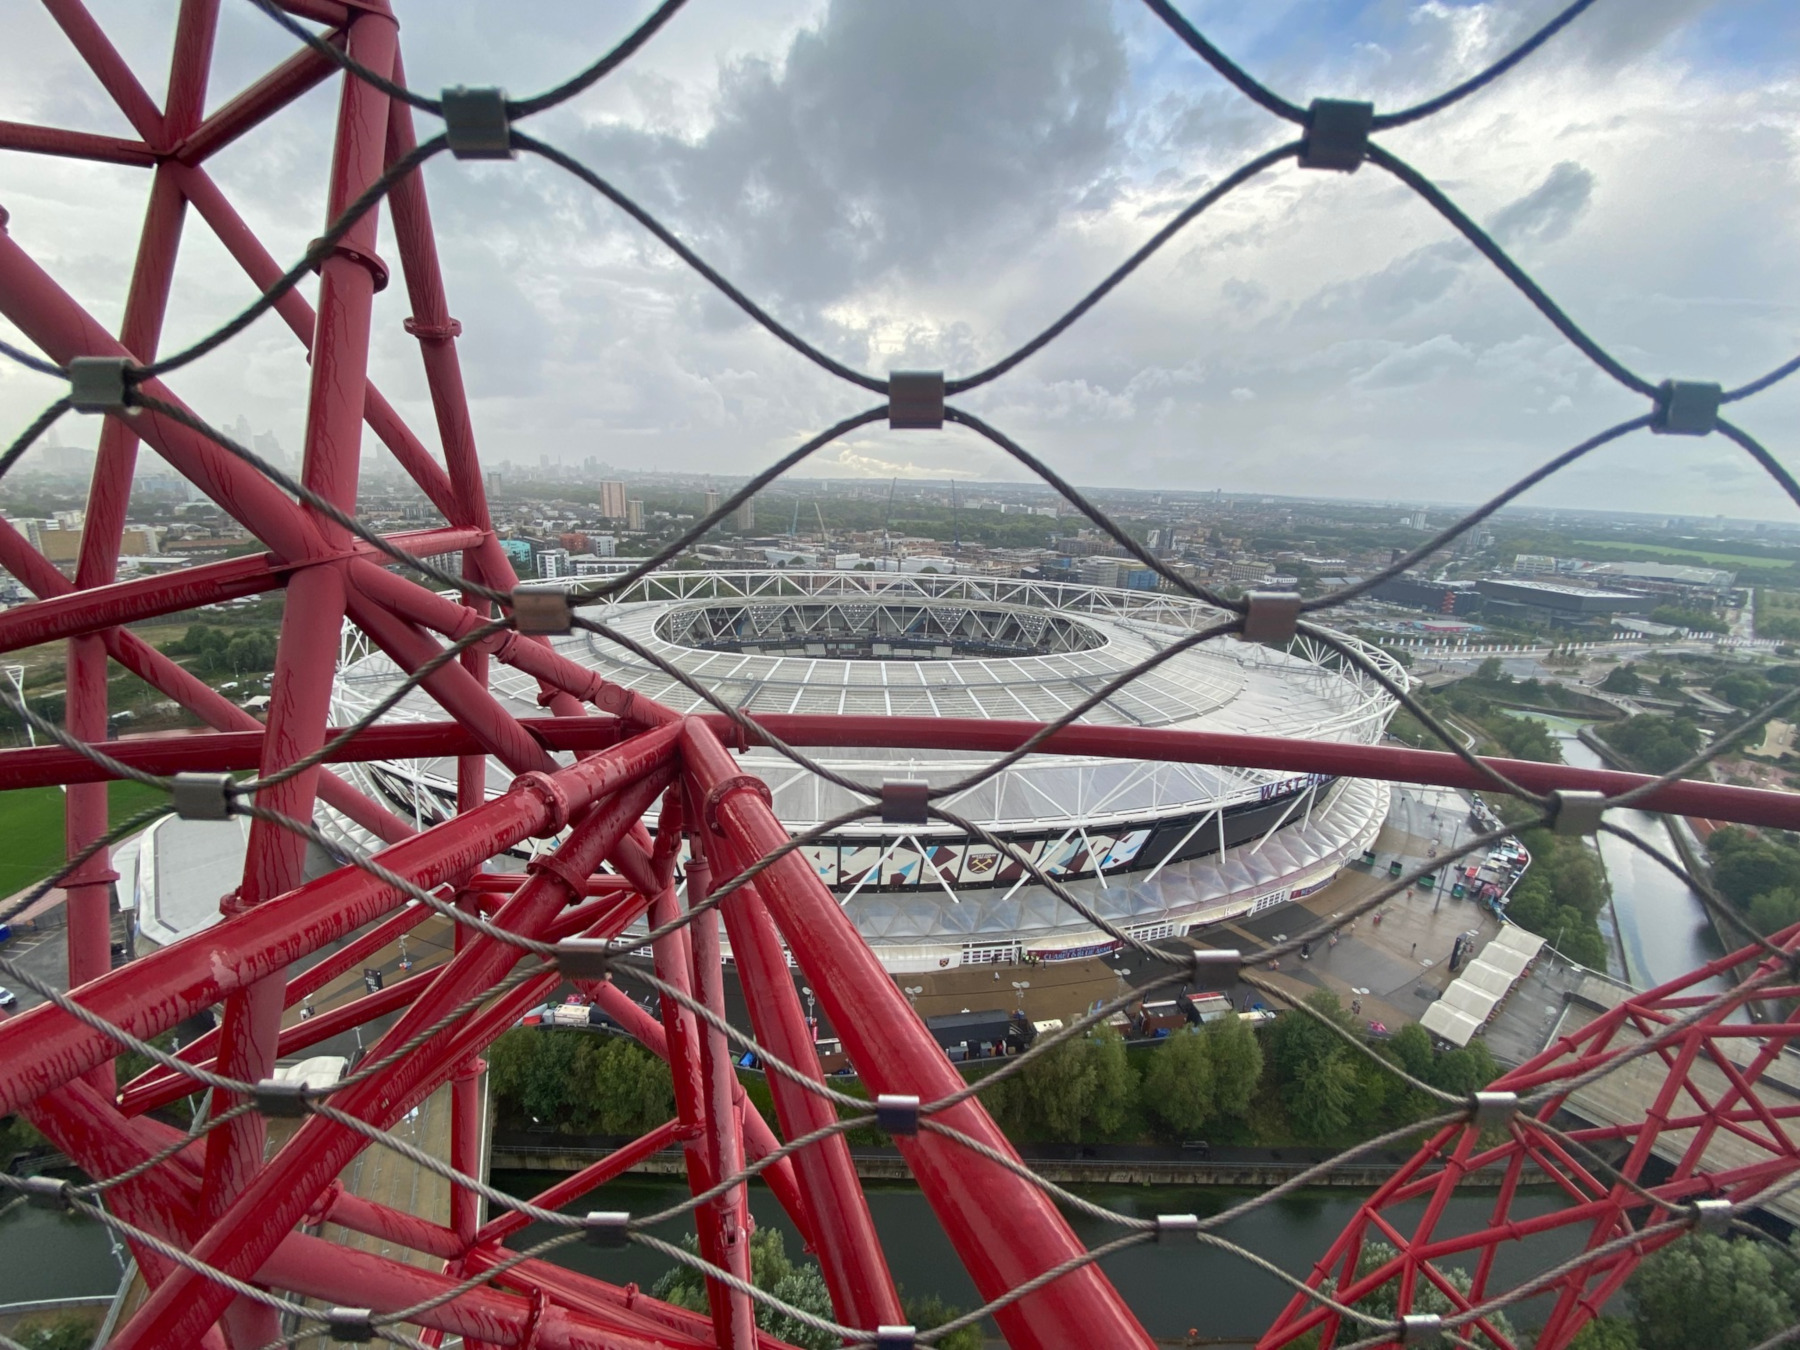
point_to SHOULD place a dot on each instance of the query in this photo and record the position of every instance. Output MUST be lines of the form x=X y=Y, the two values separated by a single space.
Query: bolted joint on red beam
x=742 y=782
x=556 y=801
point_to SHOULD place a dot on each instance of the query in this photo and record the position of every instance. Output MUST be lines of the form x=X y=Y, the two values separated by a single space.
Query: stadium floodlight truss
x=226 y=1222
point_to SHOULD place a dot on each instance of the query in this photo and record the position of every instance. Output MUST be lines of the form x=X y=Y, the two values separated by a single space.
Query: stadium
x=1158 y=849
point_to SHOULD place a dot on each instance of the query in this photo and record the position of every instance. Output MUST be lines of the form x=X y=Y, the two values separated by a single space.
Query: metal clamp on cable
x=607 y=1227
x=351 y=1324
x=1492 y=1110
x=895 y=1338
x=915 y=399
x=1337 y=134
x=1271 y=617
x=97 y=384
x=476 y=124
x=1712 y=1215
x=584 y=958
x=1177 y=1226
x=1686 y=408
x=275 y=1098
x=897 y=1113
x=905 y=803
x=46 y=1192
x=201 y=796
x=1421 y=1328
x=1576 y=812
x=542 y=610
x=1211 y=969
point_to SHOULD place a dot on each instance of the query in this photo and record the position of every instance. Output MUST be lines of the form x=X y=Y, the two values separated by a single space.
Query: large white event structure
x=1158 y=849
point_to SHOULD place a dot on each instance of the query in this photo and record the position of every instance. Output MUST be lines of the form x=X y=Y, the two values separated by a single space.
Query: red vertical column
x=109 y=496
x=307 y=655
x=724 y=1141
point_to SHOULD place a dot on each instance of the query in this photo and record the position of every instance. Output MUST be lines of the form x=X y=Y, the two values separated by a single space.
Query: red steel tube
x=759 y=1139
x=104 y=60
x=391 y=1225
x=103 y=606
x=594 y=1175
x=301 y=72
x=249 y=1232
x=45 y=1046
x=849 y=1250
x=1006 y=1231
x=733 y=1316
x=35 y=140
x=1688 y=797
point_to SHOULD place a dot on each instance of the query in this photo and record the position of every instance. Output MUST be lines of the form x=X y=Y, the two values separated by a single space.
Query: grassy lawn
x=1700 y=555
x=31 y=829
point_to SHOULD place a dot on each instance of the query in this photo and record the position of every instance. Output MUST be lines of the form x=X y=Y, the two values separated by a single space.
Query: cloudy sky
x=929 y=183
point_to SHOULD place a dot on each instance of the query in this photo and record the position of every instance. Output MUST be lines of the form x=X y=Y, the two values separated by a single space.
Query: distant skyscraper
x=612 y=501
x=712 y=502
x=746 y=514
x=634 y=514
x=493 y=484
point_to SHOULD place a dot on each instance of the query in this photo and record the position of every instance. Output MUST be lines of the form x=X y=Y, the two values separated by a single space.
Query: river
x=1171 y=1288
x=1661 y=922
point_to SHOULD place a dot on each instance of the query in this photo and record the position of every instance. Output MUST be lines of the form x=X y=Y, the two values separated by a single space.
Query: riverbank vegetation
x=1295 y=1082
x=1652 y=741
x=1702 y=1291
x=1758 y=874
x=801 y=1285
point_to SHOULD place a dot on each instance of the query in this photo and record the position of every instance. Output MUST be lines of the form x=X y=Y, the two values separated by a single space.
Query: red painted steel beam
x=759 y=1139
x=110 y=68
x=1006 y=1231
x=572 y=1188
x=60 y=328
x=351 y=1211
x=45 y=1047
x=35 y=140
x=450 y=684
x=848 y=1247
x=305 y=70
x=173 y=592
x=1718 y=801
x=248 y=1233
x=577 y=1292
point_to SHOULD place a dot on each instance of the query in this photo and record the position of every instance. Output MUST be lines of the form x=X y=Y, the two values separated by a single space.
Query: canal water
x=1662 y=925
x=1170 y=1287
x=47 y=1254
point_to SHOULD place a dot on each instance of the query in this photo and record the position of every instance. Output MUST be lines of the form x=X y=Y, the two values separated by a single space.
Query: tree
x=1237 y=1065
x=66 y=1332
x=1491 y=671
x=1083 y=1087
x=1318 y=1082
x=1464 y=1070
x=1706 y=1291
x=1606 y=1333
x=1775 y=910
x=1178 y=1085
x=1383 y=1301
x=801 y=1286
x=1623 y=680
x=1410 y=1047
x=928 y=1311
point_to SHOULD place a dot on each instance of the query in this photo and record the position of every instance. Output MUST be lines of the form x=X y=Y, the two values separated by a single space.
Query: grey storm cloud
x=892 y=138
x=1549 y=210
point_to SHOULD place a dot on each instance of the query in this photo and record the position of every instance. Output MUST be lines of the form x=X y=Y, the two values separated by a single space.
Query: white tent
x=1449 y=1024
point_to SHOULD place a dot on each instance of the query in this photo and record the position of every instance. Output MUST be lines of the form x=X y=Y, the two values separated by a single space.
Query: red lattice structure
x=223 y=1229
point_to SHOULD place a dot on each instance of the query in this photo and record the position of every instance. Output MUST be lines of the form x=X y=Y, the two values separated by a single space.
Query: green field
x=31 y=829
x=1698 y=555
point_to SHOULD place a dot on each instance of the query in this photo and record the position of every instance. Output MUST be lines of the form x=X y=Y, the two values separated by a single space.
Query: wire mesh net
x=1698 y=1068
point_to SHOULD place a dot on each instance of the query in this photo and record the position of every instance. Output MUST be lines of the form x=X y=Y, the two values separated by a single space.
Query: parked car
x=7 y=997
